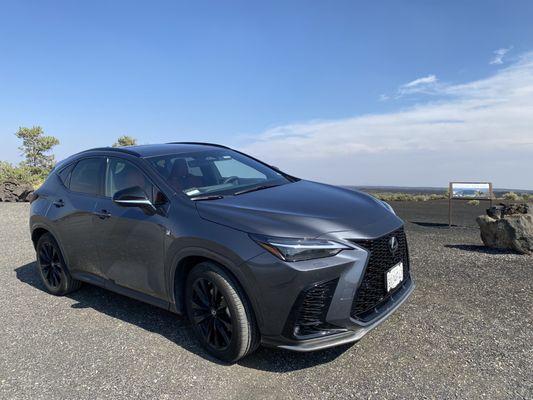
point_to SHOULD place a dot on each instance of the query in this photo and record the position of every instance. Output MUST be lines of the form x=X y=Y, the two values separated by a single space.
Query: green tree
x=35 y=148
x=125 y=140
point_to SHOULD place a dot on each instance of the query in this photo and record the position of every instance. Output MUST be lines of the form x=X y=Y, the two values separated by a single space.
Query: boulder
x=513 y=232
x=13 y=191
x=501 y=210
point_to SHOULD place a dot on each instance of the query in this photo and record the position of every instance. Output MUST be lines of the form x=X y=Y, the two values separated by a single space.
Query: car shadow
x=176 y=328
x=479 y=249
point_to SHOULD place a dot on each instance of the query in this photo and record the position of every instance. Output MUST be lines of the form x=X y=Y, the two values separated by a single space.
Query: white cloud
x=425 y=85
x=498 y=55
x=478 y=130
x=421 y=81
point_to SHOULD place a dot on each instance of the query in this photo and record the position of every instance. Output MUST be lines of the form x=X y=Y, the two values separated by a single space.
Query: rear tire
x=219 y=313
x=52 y=268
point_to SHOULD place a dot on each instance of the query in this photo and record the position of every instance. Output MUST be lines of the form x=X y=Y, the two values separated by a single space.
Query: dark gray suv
x=249 y=253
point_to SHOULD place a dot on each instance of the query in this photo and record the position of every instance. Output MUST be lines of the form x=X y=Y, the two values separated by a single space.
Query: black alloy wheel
x=52 y=268
x=50 y=264
x=211 y=313
x=220 y=313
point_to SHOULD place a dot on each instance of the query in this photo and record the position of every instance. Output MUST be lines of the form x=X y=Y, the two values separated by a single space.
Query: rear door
x=131 y=241
x=73 y=211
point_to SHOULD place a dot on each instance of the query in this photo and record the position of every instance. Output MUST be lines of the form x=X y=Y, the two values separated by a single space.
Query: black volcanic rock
x=508 y=227
x=13 y=191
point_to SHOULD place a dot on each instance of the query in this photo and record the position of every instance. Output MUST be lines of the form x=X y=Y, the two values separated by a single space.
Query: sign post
x=468 y=191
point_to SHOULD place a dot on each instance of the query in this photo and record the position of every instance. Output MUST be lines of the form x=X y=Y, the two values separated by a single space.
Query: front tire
x=52 y=268
x=219 y=313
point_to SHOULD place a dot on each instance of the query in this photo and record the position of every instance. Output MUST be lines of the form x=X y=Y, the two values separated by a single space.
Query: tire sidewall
x=217 y=276
x=62 y=288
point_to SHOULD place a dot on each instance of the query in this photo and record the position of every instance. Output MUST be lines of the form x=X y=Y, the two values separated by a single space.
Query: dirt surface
x=466 y=332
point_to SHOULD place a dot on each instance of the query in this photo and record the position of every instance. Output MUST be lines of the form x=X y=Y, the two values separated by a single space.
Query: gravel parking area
x=466 y=332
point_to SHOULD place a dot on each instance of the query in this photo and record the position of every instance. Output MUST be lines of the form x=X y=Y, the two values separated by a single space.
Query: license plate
x=394 y=276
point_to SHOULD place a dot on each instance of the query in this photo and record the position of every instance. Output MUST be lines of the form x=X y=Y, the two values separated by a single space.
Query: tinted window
x=87 y=176
x=214 y=172
x=64 y=174
x=122 y=174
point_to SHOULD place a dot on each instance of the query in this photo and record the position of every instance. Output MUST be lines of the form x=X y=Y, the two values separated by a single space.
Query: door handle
x=103 y=214
x=59 y=203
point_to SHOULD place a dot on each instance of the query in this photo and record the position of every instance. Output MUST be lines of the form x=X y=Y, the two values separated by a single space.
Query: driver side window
x=122 y=174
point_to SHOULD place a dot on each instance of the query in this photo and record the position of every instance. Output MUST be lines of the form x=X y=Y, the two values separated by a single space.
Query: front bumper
x=350 y=336
x=279 y=286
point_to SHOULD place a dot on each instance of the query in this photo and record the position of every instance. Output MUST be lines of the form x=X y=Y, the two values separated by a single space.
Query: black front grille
x=372 y=292
x=308 y=314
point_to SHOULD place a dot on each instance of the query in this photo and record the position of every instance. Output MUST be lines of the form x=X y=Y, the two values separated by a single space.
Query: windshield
x=214 y=172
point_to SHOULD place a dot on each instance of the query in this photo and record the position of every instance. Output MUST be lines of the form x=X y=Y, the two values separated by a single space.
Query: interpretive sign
x=468 y=191
x=471 y=190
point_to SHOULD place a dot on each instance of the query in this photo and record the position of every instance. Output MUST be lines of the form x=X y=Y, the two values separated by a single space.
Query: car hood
x=302 y=209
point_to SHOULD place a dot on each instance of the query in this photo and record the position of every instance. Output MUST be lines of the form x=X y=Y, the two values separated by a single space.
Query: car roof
x=146 y=150
x=151 y=150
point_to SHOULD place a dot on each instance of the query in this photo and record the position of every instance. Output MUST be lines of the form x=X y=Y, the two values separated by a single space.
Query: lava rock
x=513 y=232
x=501 y=210
x=13 y=191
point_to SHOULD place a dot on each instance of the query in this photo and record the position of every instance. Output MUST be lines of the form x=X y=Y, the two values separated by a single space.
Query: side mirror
x=133 y=197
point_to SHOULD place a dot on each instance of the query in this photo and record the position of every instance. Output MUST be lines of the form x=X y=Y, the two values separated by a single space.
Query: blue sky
x=342 y=83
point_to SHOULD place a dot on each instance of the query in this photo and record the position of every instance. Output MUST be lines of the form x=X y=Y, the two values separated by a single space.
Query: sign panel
x=471 y=190
x=468 y=191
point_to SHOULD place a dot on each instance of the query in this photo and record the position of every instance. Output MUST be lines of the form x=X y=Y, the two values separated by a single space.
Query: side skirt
x=112 y=286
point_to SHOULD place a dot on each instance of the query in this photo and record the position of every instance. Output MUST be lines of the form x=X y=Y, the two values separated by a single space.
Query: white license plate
x=394 y=276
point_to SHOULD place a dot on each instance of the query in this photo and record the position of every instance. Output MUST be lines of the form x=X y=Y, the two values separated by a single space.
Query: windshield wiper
x=202 y=198
x=253 y=189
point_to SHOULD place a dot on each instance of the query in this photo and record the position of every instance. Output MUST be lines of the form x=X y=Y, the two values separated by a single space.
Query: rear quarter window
x=64 y=175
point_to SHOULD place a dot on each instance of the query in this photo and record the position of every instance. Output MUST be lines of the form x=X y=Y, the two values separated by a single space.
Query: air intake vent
x=308 y=315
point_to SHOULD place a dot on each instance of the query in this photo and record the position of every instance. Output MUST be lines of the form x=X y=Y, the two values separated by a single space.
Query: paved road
x=465 y=333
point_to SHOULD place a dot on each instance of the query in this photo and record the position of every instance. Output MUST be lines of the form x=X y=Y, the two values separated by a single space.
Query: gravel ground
x=466 y=333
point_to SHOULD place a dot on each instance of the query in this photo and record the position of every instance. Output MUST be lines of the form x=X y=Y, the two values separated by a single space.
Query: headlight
x=388 y=206
x=289 y=249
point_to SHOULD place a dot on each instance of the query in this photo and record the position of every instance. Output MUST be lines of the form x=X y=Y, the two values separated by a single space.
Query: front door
x=131 y=241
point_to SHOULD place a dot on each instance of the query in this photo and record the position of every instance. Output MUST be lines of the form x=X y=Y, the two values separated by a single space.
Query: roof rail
x=202 y=143
x=117 y=149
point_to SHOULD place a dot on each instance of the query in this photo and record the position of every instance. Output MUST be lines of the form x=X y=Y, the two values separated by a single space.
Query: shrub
x=511 y=196
x=21 y=173
x=473 y=202
x=407 y=197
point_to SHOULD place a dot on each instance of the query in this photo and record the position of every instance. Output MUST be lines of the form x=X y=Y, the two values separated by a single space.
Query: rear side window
x=87 y=176
x=64 y=175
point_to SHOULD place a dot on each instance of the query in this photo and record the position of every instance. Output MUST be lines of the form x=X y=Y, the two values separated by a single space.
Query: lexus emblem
x=393 y=244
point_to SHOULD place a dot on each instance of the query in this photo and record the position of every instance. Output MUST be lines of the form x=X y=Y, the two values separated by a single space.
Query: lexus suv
x=250 y=254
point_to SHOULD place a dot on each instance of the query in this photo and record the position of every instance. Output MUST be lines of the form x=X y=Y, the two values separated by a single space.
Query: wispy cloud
x=424 y=85
x=421 y=82
x=476 y=130
x=499 y=55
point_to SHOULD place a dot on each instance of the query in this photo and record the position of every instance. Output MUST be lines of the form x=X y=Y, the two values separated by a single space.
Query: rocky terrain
x=13 y=191
x=466 y=332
